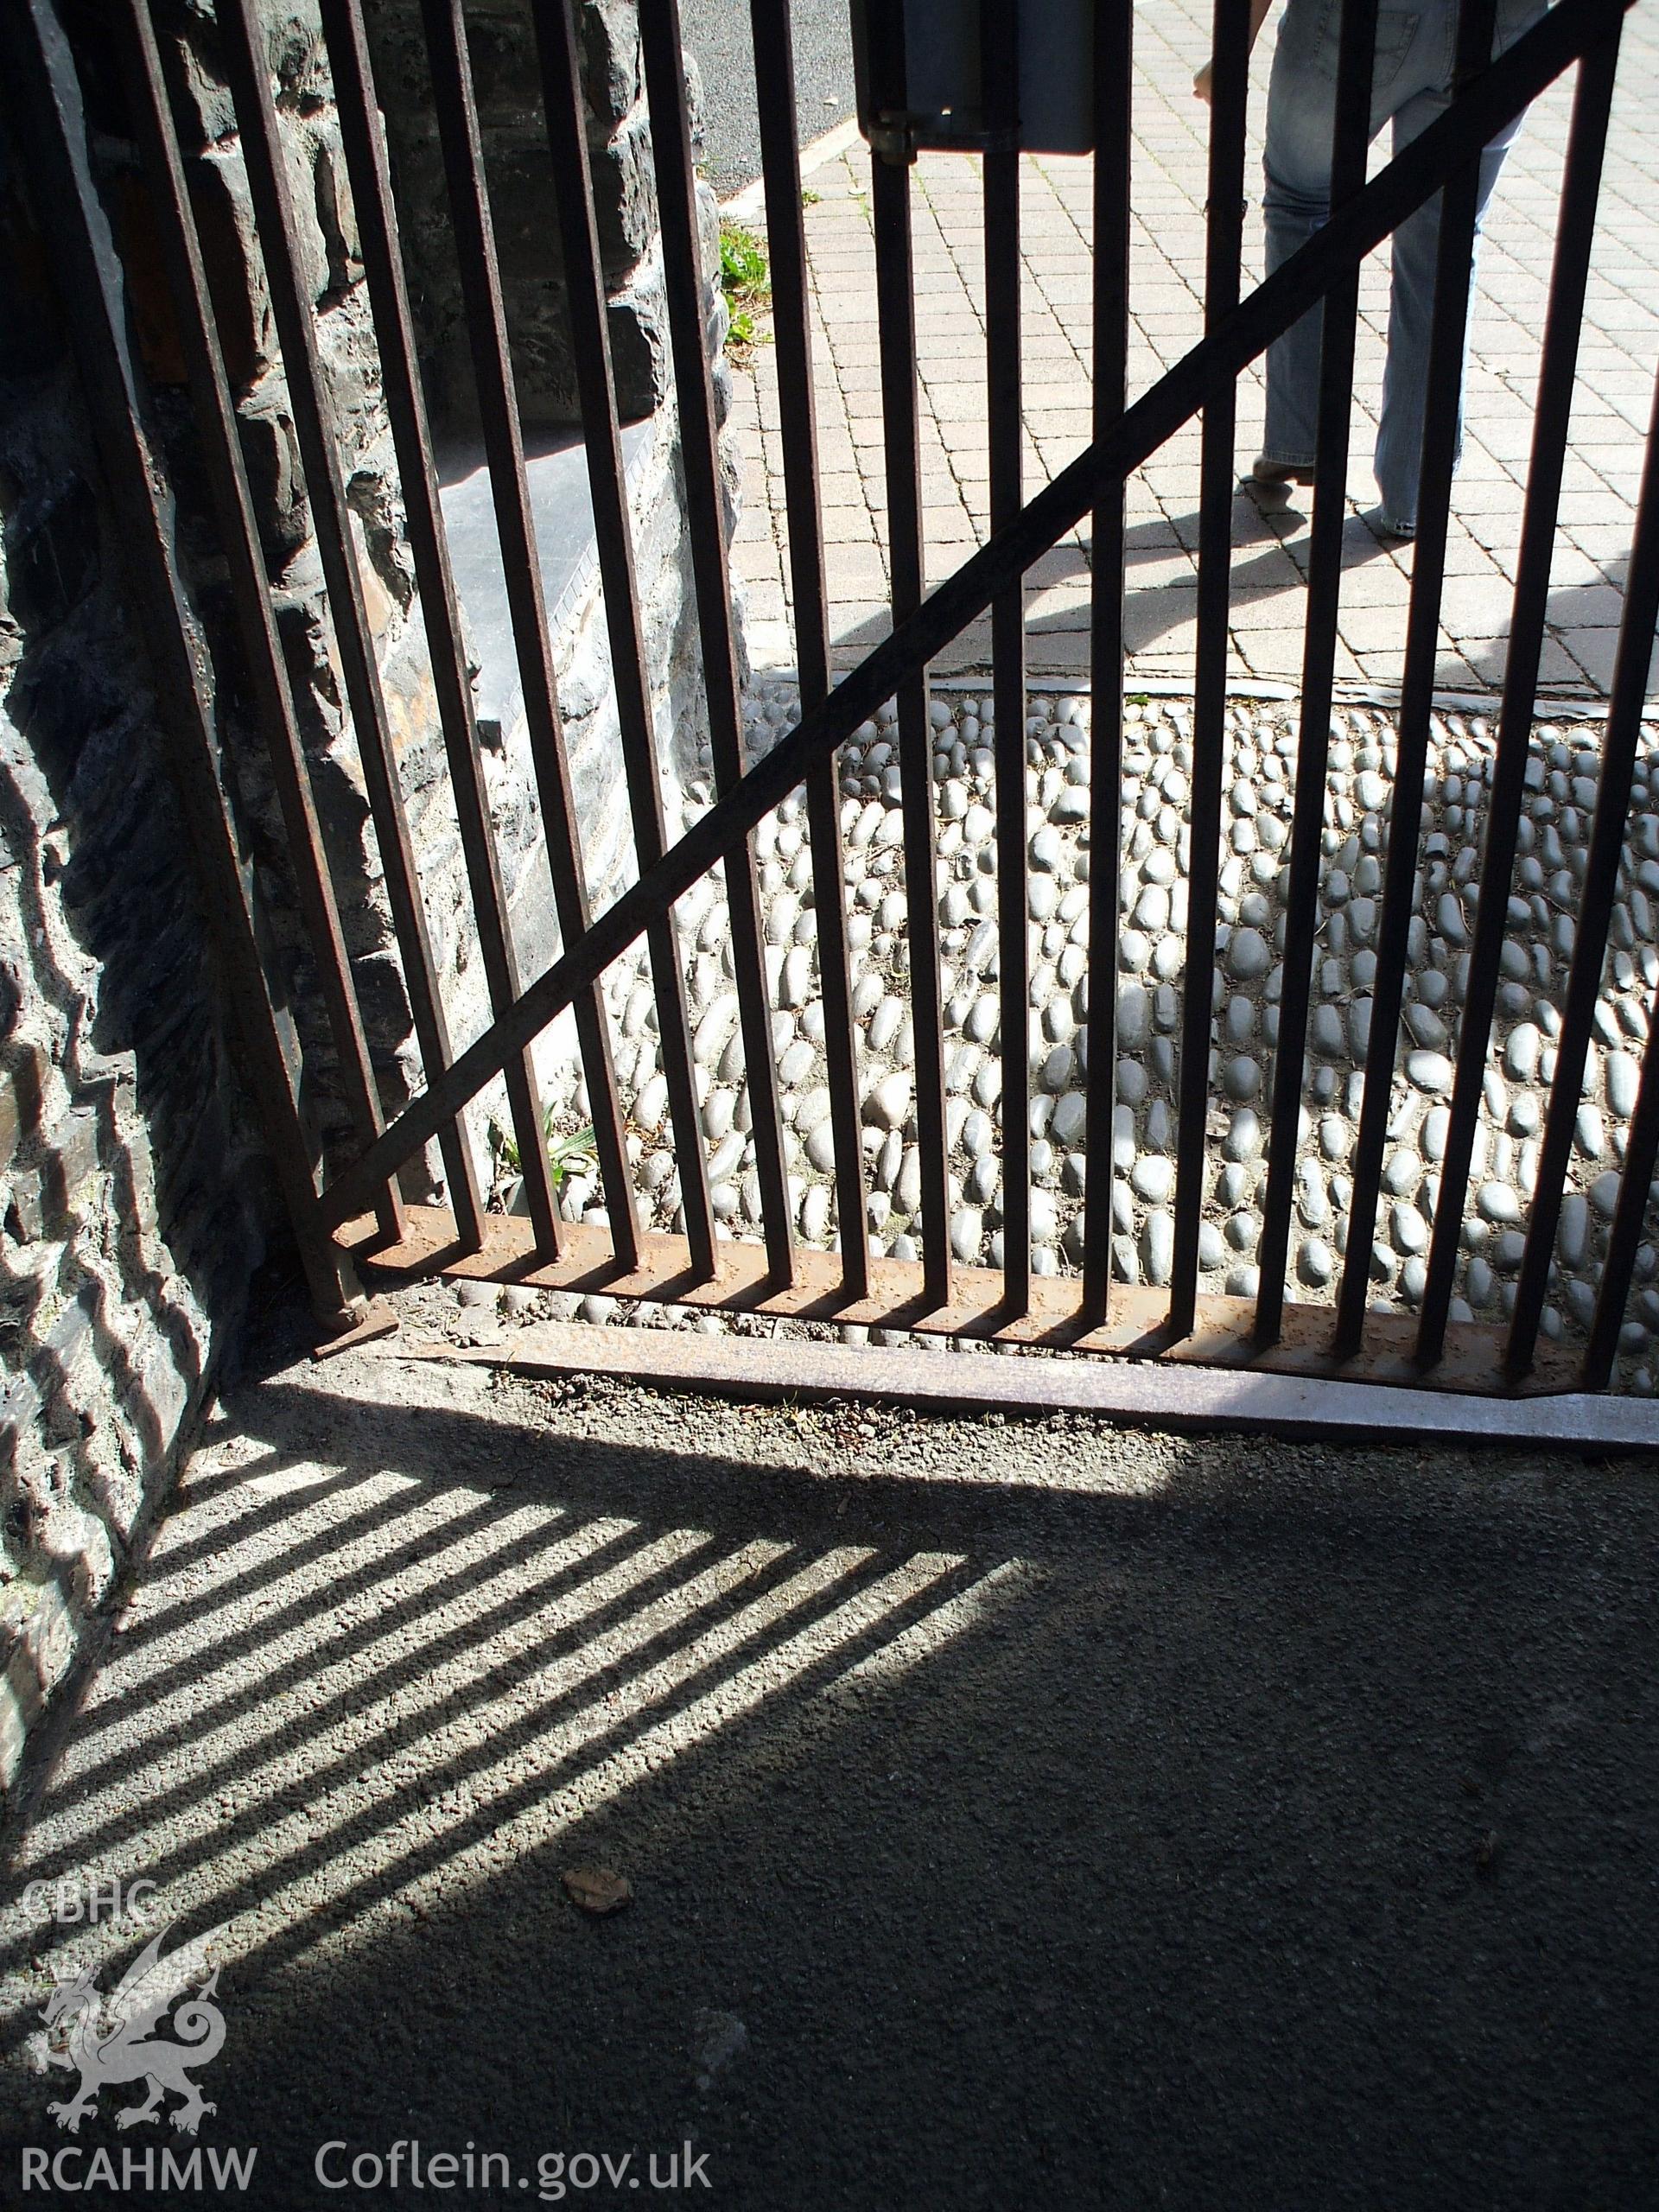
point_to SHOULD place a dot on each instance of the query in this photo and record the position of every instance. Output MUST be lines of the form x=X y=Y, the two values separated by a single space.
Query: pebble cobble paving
x=1151 y=966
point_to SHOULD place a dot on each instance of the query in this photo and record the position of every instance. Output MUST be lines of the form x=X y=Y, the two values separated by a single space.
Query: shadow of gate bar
x=355 y=1218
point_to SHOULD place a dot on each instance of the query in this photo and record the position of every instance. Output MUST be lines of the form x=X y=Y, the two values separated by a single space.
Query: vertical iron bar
x=91 y=289
x=1492 y=99
x=1351 y=134
x=677 y=197
x=1458 y=203
x=1230 y=86
x=242 y=33
x=240 y=537
x=1581 y=186
x=383 y=266
x=1113 y=121
x=1005 y=430
x=584 y=283
x=1632 y=660
x=780 y=164
x=469 y=207
x=895 y=298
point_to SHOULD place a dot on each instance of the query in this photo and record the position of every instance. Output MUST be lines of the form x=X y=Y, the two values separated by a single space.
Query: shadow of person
x=1264 y=534
x=1581 y=630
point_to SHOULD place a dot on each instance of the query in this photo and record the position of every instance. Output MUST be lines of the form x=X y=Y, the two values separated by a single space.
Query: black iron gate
x=356 y=1215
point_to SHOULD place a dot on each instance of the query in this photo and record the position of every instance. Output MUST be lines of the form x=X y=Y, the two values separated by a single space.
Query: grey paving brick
x=1618 y=346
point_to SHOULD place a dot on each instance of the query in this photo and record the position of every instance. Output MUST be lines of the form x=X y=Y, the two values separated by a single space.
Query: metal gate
x=357 y=1216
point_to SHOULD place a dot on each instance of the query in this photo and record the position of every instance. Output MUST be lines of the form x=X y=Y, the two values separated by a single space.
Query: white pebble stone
x=714 y=1030
x=884 y=1023
x=1055 y=1074
x=1408 y=1229
x=889 y=1102
x=1430 y=1071
x=795 y=981
x=1157 y=1247
x=1520 y=1052
x=1624 y=1075
x=1153 y=1179
x=1070 y=1118
x=982 y=1017
x=1315 y=1262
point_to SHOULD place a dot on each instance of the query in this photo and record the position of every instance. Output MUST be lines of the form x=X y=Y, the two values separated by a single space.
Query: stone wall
x=502 y=49
x=508 y=81
x=134 y=1198
x=502 y=54
x=136 y=1201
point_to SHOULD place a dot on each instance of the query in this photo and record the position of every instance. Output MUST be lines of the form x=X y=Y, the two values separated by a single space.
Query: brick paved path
x=1617 y=362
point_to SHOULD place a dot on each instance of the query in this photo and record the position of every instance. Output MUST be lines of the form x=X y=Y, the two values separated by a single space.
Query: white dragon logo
x=110 y=2041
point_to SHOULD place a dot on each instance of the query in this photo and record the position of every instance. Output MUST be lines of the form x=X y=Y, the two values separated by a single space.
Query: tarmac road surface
x=1017 y=1816
x=717 y=33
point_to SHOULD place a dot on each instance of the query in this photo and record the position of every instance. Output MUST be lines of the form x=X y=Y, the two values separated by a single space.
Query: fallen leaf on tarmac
x=596 y=1889
x=1486 y=1856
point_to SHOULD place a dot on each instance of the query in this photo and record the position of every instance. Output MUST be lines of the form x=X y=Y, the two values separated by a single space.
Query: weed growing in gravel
x=746 y=279
x=569 y=1153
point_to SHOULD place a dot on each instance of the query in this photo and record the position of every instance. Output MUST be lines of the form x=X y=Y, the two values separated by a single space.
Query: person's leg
x=1297 y=167
x=1411 y=307
x=1302 y=108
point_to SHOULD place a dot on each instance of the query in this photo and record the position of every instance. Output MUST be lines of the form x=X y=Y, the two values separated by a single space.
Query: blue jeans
x=1411 y=85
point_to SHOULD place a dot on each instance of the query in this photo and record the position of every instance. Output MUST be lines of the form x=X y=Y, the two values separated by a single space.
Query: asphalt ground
x=1017 y=1815
x=717 y=34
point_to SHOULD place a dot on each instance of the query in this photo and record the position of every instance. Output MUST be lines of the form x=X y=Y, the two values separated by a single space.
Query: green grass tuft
x=746 y=279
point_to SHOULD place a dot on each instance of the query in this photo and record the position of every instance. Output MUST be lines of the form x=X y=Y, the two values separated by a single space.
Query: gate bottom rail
x=1138 y=1328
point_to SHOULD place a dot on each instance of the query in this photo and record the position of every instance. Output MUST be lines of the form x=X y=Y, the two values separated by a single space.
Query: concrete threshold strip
x=1144 y=1393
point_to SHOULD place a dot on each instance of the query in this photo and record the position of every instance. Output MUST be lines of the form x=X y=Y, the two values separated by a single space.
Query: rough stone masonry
x=135 y=1202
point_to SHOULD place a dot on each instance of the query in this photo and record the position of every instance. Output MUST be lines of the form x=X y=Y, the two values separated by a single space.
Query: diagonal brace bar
x=1514 y=81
